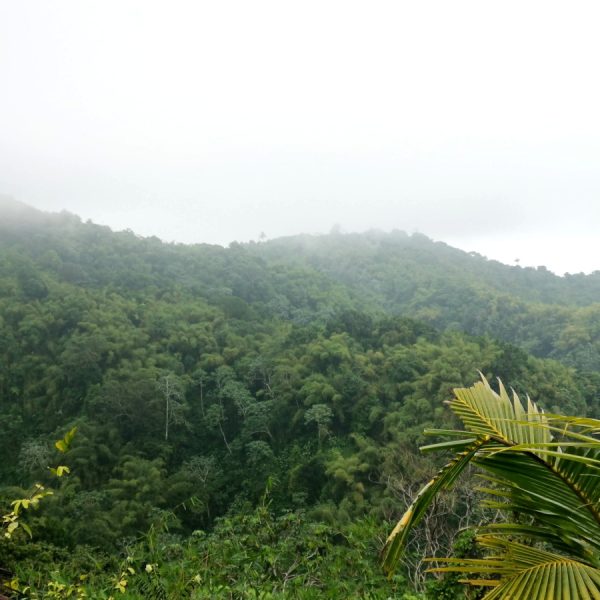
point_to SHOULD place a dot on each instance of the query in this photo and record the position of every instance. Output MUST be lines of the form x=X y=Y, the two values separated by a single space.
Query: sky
x=473 y=122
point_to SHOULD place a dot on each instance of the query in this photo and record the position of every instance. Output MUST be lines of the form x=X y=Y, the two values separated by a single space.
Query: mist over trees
x=248 y=417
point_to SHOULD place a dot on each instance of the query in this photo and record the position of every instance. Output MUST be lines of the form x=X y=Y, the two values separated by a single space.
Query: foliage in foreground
x=542 y=472
x=250 y=555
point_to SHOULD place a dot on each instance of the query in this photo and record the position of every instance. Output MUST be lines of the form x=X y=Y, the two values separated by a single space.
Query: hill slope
x=201 y=376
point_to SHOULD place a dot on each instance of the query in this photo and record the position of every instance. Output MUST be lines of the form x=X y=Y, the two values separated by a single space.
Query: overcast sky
x=476 y=123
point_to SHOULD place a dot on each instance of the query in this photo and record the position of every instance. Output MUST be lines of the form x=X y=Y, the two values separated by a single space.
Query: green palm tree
x=542 y=469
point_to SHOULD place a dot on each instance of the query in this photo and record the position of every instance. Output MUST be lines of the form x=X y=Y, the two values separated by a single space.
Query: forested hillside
x=248 y=417
x=545 y=314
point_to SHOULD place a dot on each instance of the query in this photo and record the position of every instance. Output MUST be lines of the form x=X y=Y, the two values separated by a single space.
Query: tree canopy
x=199 y=376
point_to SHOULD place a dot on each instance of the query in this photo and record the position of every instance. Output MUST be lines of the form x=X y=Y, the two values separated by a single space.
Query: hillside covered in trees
x=248 y=418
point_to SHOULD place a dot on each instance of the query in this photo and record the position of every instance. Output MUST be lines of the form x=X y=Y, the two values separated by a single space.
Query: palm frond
x=525 y=573
x=545 y=468
x=534 y=574
x=485 y=412
x=562 y=497
x=397 y=540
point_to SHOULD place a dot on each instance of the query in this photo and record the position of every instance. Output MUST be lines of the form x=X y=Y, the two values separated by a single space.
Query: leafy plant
x=542 y=472
x=11 y=520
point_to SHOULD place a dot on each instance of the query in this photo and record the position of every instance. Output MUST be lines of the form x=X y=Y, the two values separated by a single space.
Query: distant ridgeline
x=200 y=376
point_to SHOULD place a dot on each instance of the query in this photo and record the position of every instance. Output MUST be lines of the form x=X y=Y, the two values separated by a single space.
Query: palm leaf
x=397 y=540
x=527 y=573
x=485 y=412
x=545 y=468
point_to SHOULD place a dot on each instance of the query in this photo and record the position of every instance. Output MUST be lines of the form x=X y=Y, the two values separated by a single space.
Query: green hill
x=290 y=379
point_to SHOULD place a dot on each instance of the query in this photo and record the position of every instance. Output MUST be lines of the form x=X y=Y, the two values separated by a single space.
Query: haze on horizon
x=473 y=123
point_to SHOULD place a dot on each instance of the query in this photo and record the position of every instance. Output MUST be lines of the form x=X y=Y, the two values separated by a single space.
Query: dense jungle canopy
x=248 y=418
